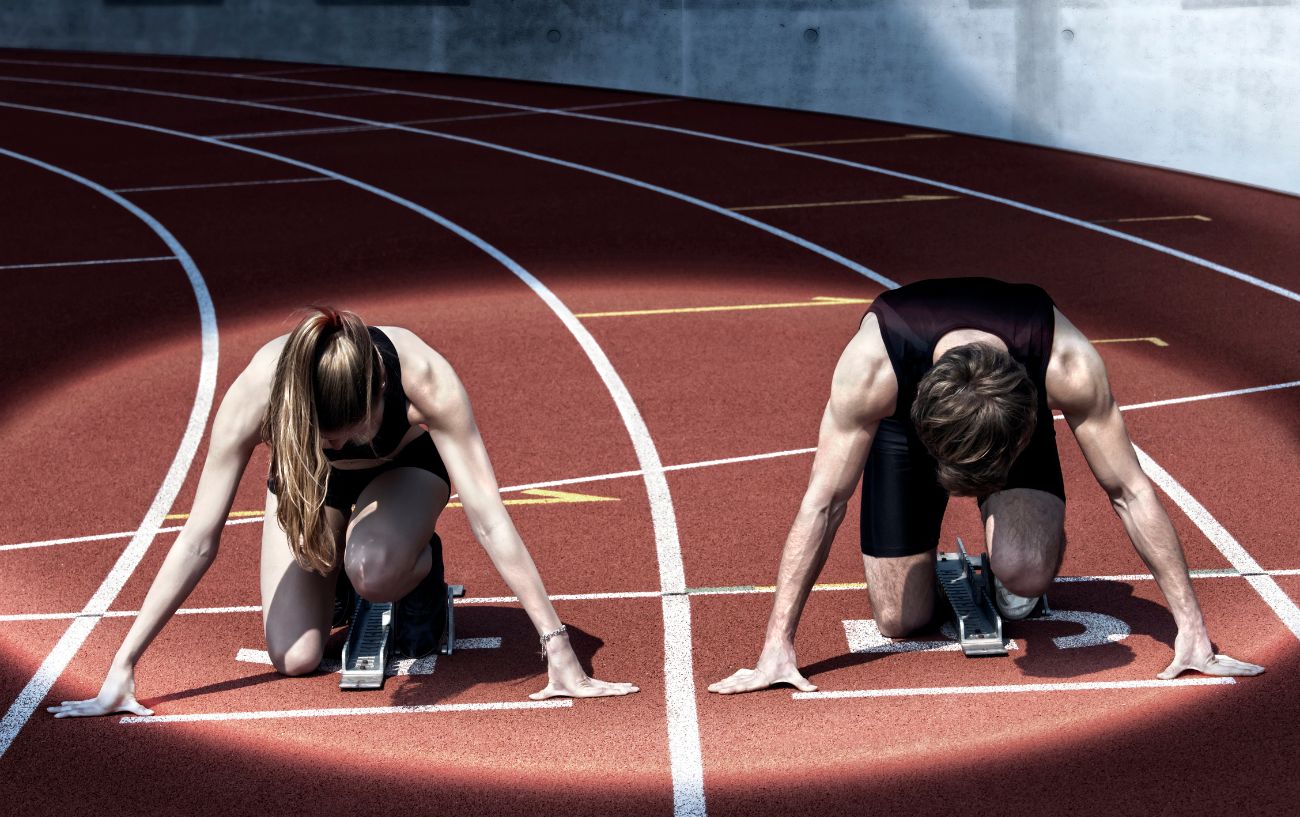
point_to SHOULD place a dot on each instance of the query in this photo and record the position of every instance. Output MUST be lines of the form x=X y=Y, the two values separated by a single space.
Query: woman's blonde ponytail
x=328 y=376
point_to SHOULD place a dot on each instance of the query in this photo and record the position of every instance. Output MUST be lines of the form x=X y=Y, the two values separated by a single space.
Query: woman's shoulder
x=413 y=351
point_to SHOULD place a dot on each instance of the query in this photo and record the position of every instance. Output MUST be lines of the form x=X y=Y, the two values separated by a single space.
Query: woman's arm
x=235 y=432
x=438 y=395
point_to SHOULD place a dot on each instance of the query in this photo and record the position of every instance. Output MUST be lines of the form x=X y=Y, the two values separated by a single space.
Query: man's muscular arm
x=1077 y=384
x=863 y=391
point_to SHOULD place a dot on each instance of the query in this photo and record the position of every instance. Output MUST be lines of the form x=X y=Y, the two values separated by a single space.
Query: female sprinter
x=344 y=409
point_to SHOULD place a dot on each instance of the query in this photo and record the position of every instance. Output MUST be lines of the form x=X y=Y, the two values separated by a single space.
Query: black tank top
x=914 y=317
x=394 y=425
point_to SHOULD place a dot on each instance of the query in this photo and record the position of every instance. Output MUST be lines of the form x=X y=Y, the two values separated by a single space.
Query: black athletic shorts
x=345 y=485
x=903 y=503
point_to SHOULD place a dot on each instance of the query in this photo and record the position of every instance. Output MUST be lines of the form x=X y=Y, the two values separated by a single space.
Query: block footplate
x=964 y=581
x=365 y=653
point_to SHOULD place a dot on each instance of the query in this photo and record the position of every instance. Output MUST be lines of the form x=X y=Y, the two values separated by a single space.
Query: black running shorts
x=903 y=503
x=345 y=485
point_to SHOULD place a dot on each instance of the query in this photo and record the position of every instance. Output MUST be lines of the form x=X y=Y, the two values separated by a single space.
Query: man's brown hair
x=975 y=411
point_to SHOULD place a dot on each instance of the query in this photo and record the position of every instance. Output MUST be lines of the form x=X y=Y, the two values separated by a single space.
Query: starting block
x=366 y=652
x=967 y=585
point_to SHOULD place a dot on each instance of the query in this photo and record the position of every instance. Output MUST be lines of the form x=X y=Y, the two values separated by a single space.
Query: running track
x=503 y=234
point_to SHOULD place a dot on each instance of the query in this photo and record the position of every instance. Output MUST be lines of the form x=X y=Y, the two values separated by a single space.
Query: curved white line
x=683 y=725
x=1267 y=587
x=1097 y=228
x=830 y=255
x=66 y=649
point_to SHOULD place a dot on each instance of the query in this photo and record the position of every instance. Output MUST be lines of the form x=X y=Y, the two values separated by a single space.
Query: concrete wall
x=1208 y=86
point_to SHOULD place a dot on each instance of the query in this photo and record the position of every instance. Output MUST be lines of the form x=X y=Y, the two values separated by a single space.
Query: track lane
x=790 y=151
x=681 y=792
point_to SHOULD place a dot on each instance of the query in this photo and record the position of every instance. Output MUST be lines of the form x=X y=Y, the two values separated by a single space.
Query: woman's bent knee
x=299 y=659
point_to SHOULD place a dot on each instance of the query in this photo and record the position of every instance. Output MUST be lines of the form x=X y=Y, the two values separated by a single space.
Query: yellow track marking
x=900 y=200
x=233 y=515
x=911 y=137
x=769 y=588
x=545 y=497
x=820 y=300
x=1152 y=218
x=542 y=497
x=1152 y=341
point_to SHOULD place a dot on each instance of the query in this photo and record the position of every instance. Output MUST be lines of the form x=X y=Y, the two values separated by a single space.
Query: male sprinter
x=948 y=388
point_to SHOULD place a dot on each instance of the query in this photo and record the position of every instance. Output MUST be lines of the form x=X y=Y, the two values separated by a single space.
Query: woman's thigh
x=388 y=536
x=297 y=604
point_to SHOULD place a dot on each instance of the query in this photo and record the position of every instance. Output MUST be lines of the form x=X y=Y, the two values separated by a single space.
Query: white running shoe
x=1011 y=606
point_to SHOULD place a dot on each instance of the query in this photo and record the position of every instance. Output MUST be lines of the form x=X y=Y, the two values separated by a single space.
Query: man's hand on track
x=775 y=666
x=1195 y=653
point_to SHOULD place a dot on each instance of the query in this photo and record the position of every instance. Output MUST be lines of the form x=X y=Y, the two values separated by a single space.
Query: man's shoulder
x=864 y=379
x=1076 y=375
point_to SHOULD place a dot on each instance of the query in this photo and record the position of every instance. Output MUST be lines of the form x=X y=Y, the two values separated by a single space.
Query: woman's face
x=360 y=433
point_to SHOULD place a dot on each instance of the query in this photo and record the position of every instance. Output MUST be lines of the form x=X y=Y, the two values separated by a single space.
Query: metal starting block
x=966 y=584
x=366 y=652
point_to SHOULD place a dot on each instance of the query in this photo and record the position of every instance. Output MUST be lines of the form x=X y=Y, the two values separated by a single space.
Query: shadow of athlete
x=948 y=389
x=355 y=416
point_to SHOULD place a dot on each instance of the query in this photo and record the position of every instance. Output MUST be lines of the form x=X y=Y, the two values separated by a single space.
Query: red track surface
x=100 y=370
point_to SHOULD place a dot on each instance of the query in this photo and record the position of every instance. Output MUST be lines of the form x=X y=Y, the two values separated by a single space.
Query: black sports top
x=914 y=317
x=394 y=425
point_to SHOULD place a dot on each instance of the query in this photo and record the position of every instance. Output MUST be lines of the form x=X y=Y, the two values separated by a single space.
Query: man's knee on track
x=896 y=623
x=1026 y=569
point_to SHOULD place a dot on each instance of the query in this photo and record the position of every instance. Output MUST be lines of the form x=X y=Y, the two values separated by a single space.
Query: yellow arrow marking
x=911 y=137
x=543 y=497
x=900 y=200
x=820 y=300
x=1152 y=341
x=1152 y=218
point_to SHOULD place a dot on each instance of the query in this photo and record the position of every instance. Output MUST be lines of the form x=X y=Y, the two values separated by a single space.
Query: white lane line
x=1267 y=587
x=209 y=185
x=91 y=263
x=351 y=711
x=686 y=763
x=794 y=452
x=710 y=206
x=97 y=537
x=310 y=97
x=741 y=590
x=1213 y=396
x=58 y=659
x=430 y=121
x=1097 y=228
x=1066 y=686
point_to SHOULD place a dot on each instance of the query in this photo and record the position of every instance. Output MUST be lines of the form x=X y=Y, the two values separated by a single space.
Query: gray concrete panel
x=1207 y=86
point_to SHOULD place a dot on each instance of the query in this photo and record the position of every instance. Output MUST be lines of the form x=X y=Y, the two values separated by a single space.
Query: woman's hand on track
x=1195 y=653
x=775 y=666
x=116 y=695
x=568 y=679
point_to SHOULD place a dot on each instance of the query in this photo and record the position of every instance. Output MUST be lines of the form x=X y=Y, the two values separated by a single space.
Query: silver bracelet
x=552 y=634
